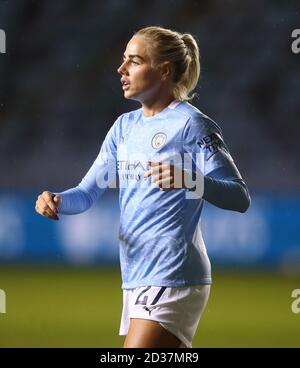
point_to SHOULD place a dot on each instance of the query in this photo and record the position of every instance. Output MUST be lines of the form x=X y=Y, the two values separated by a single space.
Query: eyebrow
x=133 y=56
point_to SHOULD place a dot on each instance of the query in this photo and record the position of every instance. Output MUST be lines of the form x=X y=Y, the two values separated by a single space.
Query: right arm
x=80 y=198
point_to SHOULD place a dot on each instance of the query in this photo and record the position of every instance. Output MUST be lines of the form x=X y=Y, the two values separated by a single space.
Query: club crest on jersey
x=158 y=140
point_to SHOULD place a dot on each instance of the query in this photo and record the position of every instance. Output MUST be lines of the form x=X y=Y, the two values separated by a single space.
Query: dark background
x=60 y=91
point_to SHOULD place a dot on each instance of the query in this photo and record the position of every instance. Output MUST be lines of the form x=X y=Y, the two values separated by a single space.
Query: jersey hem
x=128 y=285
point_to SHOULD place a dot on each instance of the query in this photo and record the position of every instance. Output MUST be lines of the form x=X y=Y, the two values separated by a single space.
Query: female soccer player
x=165 y=269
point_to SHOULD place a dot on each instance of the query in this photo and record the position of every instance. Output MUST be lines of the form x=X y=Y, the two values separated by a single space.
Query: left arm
x=221 y=183
x=229 y=194
x=217 y=188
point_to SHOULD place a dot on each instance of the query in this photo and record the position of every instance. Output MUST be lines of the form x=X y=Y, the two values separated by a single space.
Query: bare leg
x=144 y=333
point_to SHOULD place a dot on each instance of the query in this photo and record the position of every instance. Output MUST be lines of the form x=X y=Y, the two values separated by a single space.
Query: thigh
x=144 y=333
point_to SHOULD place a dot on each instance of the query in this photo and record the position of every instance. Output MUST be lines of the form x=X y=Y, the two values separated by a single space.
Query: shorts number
x=145 y=299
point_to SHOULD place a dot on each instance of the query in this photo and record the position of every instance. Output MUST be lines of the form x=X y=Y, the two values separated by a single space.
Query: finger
x=45 y=209
x=46 y=212
x=43 y=203
x=147 y=173
x=157 y=168
x=156 y=172
x=162 y=174
x=166 y=183
x=51 y=215
x=41 y=211
x=52 y=205
x=153 y=164
x=48 y=197
x=160 y=168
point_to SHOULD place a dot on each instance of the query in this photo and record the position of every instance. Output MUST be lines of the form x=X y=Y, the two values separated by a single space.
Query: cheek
x=147 y=78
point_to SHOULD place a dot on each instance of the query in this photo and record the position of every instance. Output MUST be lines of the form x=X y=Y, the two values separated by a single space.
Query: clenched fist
x=47 y=205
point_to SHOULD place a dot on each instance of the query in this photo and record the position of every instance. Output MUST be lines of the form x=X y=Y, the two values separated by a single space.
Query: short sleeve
x=203 y=140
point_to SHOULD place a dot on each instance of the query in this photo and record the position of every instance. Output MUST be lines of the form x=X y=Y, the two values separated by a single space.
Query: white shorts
x=178 y=310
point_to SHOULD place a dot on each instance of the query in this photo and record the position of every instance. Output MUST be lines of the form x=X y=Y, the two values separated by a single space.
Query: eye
x=123 y=60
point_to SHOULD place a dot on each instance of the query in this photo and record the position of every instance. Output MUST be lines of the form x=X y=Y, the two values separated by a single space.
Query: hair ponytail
x=188 y=81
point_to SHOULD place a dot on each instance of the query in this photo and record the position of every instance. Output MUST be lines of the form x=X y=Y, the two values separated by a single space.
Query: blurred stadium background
x=60 y=93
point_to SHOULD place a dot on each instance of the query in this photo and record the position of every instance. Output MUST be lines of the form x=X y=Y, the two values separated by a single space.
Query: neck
x=151 y=108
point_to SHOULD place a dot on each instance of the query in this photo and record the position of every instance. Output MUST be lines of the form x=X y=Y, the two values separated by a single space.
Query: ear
x=166 y=70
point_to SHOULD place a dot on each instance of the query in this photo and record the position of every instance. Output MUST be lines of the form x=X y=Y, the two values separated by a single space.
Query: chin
x=127 y=94
x=131 y=96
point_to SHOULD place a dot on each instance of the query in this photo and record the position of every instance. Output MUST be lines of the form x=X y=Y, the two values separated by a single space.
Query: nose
x=122 y=68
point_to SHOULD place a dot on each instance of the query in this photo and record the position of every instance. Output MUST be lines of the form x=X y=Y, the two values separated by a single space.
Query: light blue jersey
x=160 y=237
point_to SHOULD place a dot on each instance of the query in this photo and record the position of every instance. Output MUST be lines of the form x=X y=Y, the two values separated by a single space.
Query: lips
x=125 y=83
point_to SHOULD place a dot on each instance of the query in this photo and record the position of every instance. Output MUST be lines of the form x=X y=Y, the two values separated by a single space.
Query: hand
x=48 y=204
x=166 y=176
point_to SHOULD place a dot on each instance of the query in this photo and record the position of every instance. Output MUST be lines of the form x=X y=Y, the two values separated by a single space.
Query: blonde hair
x=182 y=51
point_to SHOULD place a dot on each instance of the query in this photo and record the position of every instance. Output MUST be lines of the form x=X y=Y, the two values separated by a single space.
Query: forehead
x=137 y=46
